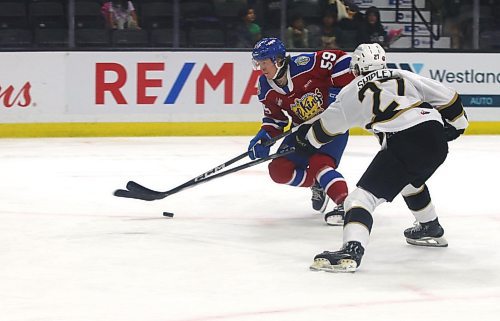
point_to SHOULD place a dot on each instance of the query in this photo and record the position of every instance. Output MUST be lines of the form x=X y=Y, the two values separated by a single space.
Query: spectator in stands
x=347 y=9
x=247 y=32
x=372 y=30
x=120 y=14
x=350 y=22
x=329 y=31
x=297 y=34
x=453 y=21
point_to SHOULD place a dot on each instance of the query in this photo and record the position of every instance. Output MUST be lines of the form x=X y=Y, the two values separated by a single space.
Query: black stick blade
x=136 y=187
x=151 y=194
x=130 y=194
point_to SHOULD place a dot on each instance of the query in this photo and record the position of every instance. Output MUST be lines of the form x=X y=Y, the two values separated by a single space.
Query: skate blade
x=429 y=242
x=335 y=220
x=342 y=266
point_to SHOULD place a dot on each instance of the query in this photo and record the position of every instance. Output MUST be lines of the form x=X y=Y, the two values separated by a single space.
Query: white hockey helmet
x=368 y=57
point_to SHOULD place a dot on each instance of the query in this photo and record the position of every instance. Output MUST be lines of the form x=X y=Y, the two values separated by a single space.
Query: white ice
x=238 y=247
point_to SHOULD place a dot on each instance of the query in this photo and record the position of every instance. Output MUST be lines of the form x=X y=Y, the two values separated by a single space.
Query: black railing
x=429 y=25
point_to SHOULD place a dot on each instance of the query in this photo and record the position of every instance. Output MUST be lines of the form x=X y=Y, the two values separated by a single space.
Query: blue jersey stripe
x=329 y=176
x=298 y=177
x=341 y=65
x=267 y=120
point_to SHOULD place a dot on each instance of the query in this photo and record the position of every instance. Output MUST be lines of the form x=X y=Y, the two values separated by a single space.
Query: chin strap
x=282 y=69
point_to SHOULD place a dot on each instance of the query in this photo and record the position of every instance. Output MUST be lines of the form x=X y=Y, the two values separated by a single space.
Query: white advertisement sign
x=32 y=86
x=191 y=86
x=475 y=76
x=389 y=3
x=174 y=86
x=403 y=16
x=128 y=87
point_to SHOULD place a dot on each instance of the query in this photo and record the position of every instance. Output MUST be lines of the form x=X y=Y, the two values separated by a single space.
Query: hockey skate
x=319 y=198
x=336 y=216
x=347 y=259
x=426 y=234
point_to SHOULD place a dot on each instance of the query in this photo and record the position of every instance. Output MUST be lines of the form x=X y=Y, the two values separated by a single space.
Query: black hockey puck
x=168 y=214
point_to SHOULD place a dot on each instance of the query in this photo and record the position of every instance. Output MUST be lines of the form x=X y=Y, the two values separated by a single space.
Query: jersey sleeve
x=331 y=123
x=337 y=63
x=274 y=121
x=445 y=99
x=341 y=73
x=337 y=118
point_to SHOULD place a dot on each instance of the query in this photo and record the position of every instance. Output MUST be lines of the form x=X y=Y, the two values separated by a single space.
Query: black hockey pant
x=411 y=157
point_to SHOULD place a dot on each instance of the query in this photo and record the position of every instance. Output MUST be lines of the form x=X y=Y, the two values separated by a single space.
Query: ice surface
x=238 y=247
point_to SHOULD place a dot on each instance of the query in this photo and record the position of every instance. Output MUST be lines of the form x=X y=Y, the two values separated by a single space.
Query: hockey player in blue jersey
x=293 y=89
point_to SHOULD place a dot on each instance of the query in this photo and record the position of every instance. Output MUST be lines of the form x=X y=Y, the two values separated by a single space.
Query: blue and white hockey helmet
x=268 y=48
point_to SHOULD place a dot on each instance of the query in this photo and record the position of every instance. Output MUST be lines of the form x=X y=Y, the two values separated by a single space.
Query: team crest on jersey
x=309 y=105
x=302 y=60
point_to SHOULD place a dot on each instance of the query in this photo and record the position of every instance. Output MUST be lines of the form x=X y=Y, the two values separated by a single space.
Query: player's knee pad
x=362 y=199
x=281 y=170
x=416 y=198
x=320 y=161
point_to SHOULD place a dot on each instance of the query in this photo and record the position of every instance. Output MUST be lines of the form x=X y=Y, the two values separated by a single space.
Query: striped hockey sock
x=334 y=184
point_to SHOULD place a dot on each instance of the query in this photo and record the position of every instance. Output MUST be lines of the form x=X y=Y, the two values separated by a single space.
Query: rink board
x=59 y=94
x=170 y=129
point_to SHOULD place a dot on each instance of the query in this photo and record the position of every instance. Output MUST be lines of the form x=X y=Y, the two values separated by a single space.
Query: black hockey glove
x=451 y=133
x=302 y=145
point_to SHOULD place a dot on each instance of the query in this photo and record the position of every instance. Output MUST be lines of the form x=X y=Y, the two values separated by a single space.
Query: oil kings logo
x=308 y=105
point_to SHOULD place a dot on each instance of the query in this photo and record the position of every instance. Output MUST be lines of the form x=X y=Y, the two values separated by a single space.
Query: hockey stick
x=135 y=190
x=138 y=191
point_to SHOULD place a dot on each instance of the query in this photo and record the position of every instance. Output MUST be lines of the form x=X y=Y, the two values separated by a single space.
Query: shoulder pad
x=301 y=63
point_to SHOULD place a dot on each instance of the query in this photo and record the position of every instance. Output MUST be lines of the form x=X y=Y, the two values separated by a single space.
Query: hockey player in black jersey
x=414 y=117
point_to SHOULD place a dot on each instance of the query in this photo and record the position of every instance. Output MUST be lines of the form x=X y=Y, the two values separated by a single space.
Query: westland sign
x=466 y=80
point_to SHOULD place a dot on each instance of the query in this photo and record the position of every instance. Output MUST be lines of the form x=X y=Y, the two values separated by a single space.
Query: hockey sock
x=334 y=184
x=419 y=202
x=357 y=226
x=323 y=168
x=359 y=206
